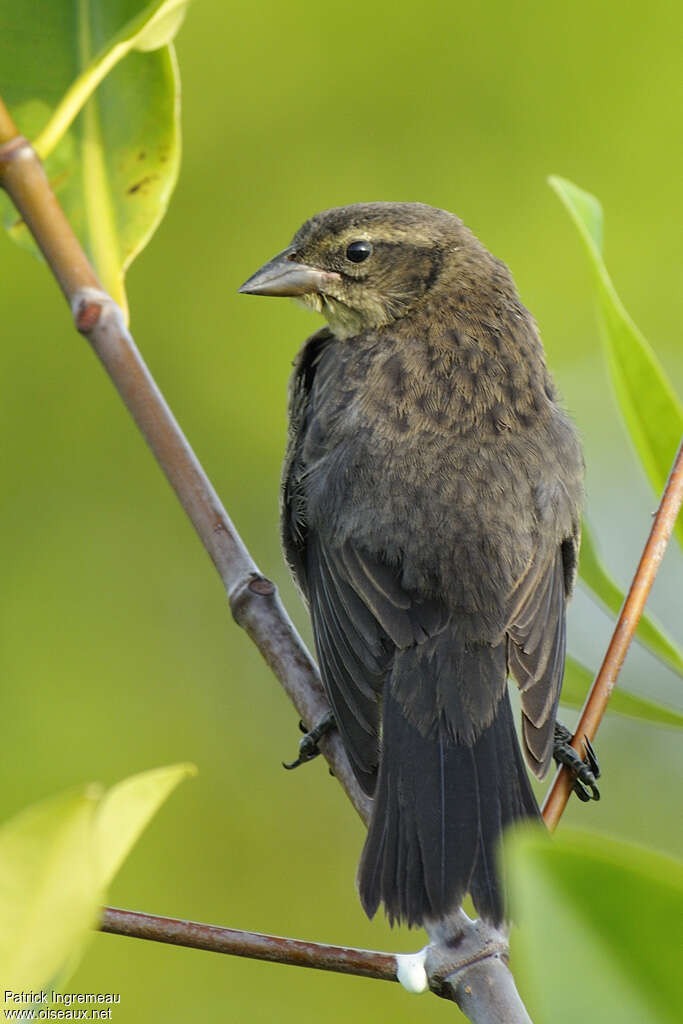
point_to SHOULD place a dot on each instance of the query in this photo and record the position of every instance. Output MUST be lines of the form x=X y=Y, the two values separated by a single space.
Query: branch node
x=262 y=586
x=89 y=307
x=245 y=590
x=87 y=316
x=18 y=148
x=459 y=943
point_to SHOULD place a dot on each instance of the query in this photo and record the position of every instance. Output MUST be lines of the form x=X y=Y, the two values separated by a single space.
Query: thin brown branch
x=253 y=599
x=343 y=959
x=466 y=960
x=23 y=178
x=472 y=973
x=624 y=631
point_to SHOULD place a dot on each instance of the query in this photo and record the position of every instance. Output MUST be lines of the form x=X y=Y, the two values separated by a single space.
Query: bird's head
x=366 y=265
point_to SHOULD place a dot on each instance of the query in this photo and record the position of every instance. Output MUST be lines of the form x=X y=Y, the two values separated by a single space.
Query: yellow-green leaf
x=600 y=584
x=50 y=889
x=126 y=809
x=115 y=166
x=577 y=681
x=598 y=926
x=651 y=410
x=56 y=860
x=162 y=27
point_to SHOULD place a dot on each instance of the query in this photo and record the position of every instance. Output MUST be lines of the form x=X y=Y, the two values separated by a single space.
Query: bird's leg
x=586 y=771
x=308 y=746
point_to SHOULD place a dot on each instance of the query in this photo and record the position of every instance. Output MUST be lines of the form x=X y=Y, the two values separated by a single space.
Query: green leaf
x=115 y=167
x=56 y=860
x=598 y=924
x=577 y=681
x=152 y=28
x=126 y=809
x=651 y=410
x=50 y=889
x=596 y=578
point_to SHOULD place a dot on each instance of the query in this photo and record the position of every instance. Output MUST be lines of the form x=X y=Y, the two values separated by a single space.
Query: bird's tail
x=440 y=807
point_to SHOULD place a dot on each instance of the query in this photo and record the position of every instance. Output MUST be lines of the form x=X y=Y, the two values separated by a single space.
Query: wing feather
x=536 y=654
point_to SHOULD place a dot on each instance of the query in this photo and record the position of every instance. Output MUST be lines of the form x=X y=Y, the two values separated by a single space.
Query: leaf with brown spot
x=97 y=90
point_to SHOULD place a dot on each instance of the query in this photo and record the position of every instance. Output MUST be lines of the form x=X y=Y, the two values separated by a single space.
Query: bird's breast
x=426 y=454
x=456 y=518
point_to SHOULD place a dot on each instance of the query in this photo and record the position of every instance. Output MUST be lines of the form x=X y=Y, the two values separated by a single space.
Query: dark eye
x=358 y=251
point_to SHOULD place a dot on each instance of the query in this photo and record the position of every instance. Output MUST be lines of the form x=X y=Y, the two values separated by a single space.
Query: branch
x=477 y=978
x=193 y=935
x=253 y=600
x=624 y=631
x=481 y=983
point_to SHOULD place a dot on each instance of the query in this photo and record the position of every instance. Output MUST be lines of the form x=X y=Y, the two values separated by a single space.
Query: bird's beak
x=282 y=276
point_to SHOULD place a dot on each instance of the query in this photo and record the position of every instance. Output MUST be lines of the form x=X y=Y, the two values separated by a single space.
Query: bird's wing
x=293 y=525
x=347 y=637
x=360 y=617
x=360 y=612
x=536 y=647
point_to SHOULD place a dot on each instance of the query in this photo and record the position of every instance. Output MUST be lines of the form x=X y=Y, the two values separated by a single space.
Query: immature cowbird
x=430 y=514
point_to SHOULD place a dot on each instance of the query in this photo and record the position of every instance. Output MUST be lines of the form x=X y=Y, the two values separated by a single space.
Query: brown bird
x=431 y=503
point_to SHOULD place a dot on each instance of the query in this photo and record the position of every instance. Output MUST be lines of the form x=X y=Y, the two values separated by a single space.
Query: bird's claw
x=308 y=746
x=585 y=771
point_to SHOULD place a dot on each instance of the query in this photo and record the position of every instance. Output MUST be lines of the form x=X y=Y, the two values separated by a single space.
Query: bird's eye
x=358 y=251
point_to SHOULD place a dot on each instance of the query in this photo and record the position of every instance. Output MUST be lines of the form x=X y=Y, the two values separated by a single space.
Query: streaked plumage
x=430 y=514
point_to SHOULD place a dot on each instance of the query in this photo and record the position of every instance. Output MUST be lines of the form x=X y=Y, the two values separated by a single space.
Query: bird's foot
x=585 y=772
x=308 y=746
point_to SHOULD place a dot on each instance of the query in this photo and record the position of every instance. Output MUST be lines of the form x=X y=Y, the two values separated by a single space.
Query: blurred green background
x=117 y=652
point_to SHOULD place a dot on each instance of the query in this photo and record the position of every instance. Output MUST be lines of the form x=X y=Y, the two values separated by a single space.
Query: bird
x=431 y=503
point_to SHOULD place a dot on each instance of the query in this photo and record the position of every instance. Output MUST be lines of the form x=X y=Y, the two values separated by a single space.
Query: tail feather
x=440 y=807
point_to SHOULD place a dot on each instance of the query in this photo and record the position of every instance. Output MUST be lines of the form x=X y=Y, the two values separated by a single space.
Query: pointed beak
x=282 y=276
